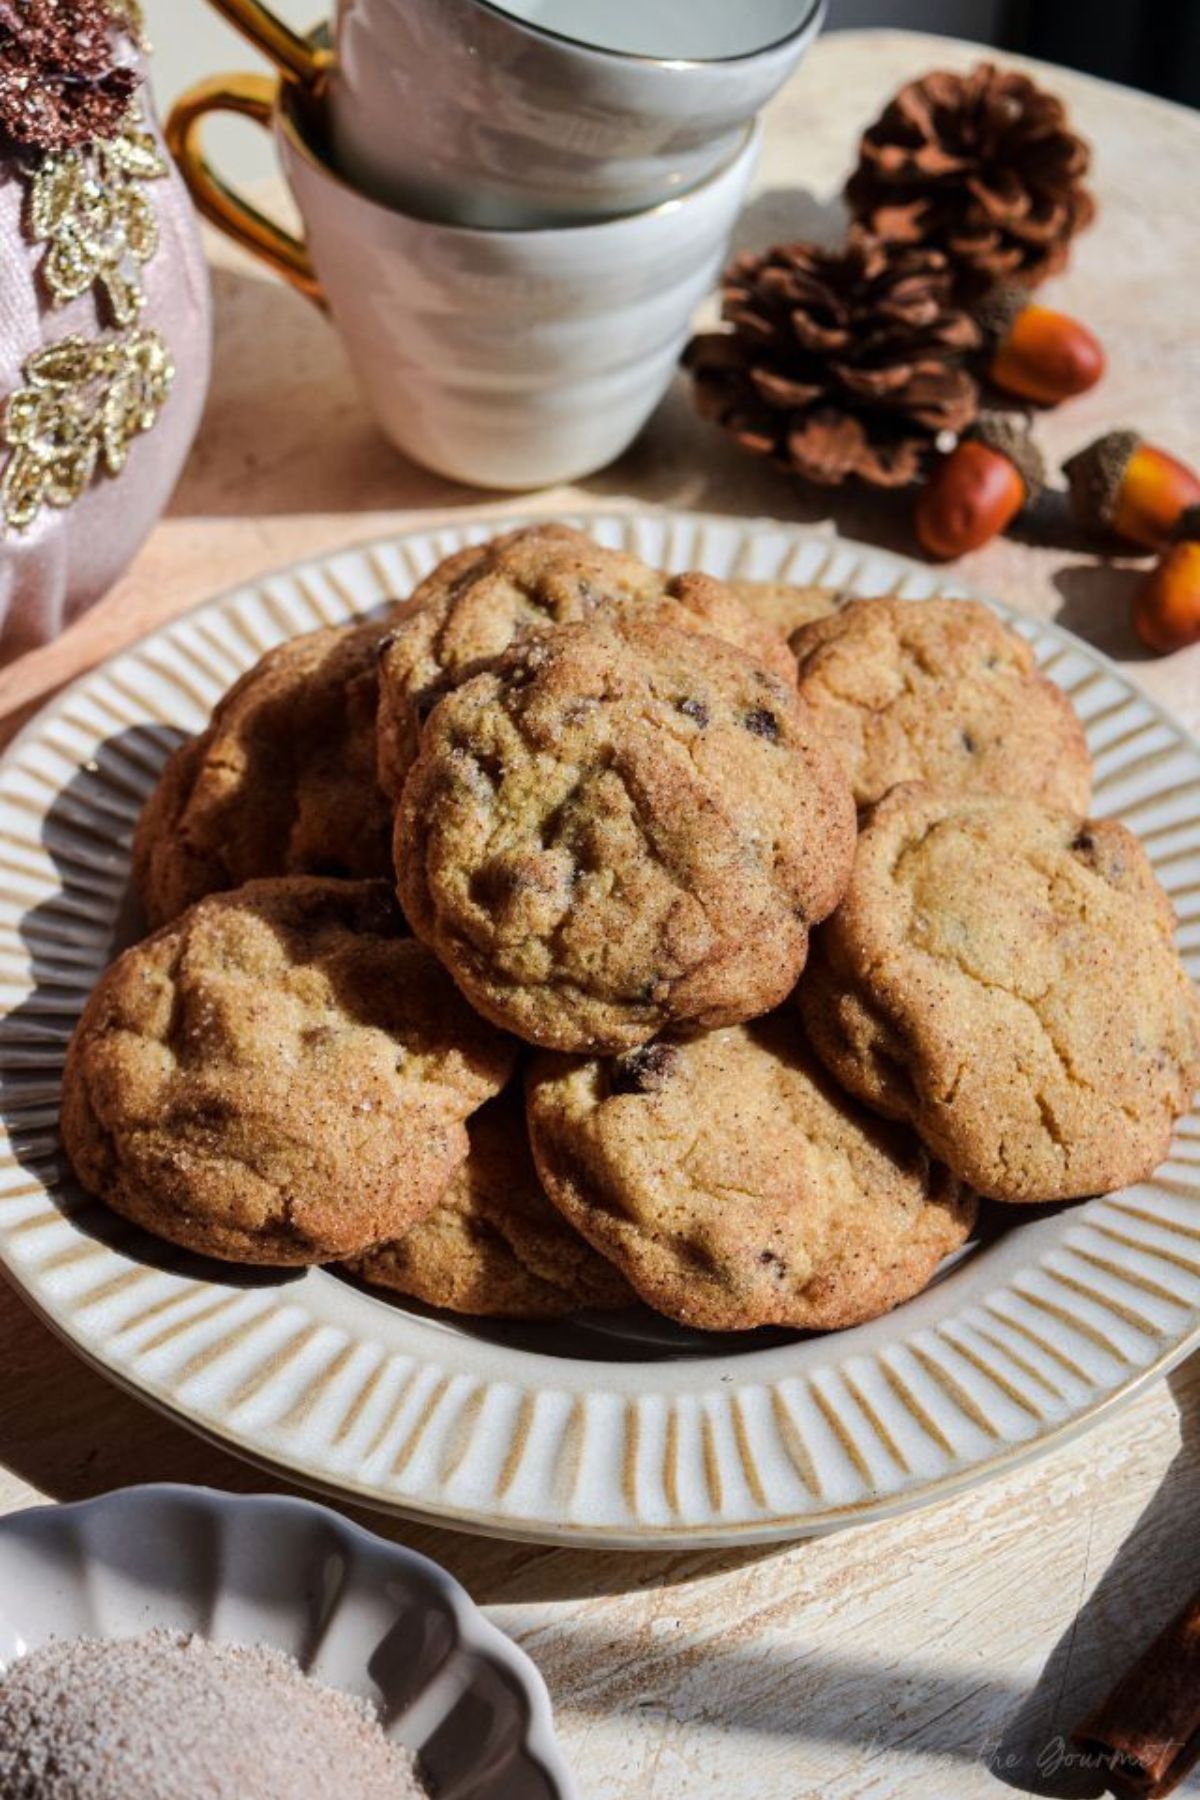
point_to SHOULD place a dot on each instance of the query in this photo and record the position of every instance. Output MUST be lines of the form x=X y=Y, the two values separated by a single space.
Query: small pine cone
x=983 y=167
x=839 y=363
x=62 y=82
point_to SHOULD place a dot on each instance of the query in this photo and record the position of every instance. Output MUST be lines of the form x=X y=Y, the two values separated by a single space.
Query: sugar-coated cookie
x=277 y=1076
x=735 y=1185
x=1004 y=977
x=494 y=1245
x=281 y=783
x=940 y=691
x=618 y=828
x=488 y=596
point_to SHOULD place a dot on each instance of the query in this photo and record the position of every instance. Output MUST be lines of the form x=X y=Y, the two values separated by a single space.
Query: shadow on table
x=1097 y=600
x=1149 y=1578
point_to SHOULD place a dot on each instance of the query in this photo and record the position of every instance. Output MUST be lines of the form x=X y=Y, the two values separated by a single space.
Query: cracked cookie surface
x=788 y=606
x=494 y=1245
x=1005 y=978
x=618 y=828
x=735 y=1185
x=940 y=691
x=277 y=1076
x=484 y=598
x=282 y=782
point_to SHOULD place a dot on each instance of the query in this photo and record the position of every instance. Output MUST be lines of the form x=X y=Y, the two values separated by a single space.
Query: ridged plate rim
x=1016 y=1350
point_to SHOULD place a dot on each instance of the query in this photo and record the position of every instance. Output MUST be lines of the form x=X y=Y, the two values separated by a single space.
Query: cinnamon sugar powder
x=166 y=1715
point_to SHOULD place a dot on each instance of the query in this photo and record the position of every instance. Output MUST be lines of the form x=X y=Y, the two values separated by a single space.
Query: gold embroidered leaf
x=70 y=472
x=54 y=192
x=71 y=265
x=23 y=417
x=62 y=365
x=135 y=153
x=21 y=490
x=124 y=296
x=82 y=405
x=87 y=204
x=140 y=222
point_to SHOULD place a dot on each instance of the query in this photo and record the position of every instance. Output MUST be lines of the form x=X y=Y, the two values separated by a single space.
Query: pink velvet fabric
x=65 y=560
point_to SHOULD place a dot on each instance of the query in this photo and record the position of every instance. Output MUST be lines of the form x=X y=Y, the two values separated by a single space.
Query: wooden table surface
x=942 y=1654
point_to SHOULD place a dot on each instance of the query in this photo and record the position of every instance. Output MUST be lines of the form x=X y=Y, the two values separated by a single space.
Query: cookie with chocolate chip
x=1004 y=977
x=494 y=1245
x=277 y=1076
x=940 y=691
x=488 y=596
x=619 y=828
x=735 y=1185
x=282 y=782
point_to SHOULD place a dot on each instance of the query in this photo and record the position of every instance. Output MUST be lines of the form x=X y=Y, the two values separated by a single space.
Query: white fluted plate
x=625 y=1431
x=357 y=1613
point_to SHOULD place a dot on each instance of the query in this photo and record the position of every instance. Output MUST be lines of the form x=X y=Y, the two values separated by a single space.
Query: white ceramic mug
x=507 y=359
x=537 y=112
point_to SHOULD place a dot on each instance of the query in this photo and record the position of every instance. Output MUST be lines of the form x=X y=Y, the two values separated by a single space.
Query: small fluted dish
x=357 y=1613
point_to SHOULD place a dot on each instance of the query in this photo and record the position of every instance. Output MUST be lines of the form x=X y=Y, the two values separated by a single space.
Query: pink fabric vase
x=56 y=565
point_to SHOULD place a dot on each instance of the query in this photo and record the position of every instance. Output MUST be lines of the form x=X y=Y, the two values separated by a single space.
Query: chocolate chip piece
x=694 y=710
x=644 y=1071
x=763 y=723
x=968 y=743
x=1084 y=843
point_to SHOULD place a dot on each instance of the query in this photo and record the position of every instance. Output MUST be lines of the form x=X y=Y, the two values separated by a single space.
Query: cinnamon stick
x=1147 y=1732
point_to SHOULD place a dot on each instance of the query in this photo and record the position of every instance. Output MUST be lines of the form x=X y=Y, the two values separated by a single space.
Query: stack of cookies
x=582 y=935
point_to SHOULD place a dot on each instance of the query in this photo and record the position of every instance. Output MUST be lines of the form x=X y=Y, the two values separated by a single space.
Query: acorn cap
x=1095 y=475
x=1187 y=526
x=1002 y=433
x=997 y=311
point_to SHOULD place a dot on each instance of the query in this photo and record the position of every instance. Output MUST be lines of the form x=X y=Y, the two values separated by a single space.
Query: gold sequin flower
x=81 y=407
x=87 y=204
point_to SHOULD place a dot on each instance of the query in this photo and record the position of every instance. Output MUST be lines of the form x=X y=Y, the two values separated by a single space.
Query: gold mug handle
x=291 y=53
x=251 y=97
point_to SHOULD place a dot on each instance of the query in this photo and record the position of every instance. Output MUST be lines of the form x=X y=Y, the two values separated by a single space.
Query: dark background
x=1152 y=44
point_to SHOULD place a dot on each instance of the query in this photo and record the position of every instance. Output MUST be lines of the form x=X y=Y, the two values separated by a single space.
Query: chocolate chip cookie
x=277 y=1076
x=734 y=1185
x=281 y=783
x=618 y=828
x=1004 y=977
x=488 y=596
x=940 y=691
x=494 y=1246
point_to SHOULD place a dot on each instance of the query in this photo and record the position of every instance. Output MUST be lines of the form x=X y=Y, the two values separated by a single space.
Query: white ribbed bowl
x=357 y=1613
x=623 y=1430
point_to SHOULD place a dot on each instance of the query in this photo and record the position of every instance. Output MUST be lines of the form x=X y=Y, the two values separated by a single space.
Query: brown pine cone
x=839 y=362
x=983 y=167
x=61 y=80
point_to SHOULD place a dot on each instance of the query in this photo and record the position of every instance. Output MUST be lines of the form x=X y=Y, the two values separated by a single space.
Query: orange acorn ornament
x=1034 y=352
x=1166 y=607
x=1125 y=485
x=979 y=488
